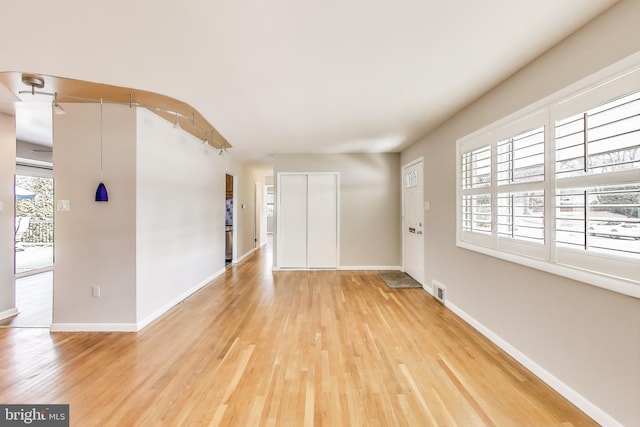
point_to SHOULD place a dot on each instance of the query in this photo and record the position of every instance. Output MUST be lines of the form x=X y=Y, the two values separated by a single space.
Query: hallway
x=256 y=347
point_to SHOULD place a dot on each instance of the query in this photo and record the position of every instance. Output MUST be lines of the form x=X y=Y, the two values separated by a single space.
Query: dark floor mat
x=398 y=279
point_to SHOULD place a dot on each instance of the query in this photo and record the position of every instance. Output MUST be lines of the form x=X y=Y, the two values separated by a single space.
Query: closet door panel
x=322 y=222
x=292 y=224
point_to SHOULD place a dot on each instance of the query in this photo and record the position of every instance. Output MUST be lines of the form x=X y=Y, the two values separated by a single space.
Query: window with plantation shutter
x=557 y=186
x=521 y=216
x=520 y=178
x=597 y=175
x=521 y=158
x=600 y=140
x=476 y=168
x=476 y=180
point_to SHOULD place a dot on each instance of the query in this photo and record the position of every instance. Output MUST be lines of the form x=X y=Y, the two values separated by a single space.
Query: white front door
x=413 y=220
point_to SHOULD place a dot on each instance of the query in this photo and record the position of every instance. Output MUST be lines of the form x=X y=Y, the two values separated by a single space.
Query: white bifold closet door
x=292 y=221
x=308 y=220
x=322 y=221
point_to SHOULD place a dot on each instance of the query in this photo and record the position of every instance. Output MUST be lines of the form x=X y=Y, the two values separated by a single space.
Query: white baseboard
x=243 y=257
x=370 y=267
x=131 y=327
x=166 y=307
x=429 y=290
x=570 y=394
x=345 y=268
x=93 y=327
x=8 y=313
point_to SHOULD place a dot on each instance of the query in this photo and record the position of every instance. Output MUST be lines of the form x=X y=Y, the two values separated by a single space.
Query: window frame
x=617 y=273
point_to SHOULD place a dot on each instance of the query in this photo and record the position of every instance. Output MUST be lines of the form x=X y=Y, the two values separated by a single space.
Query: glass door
x=33 y=224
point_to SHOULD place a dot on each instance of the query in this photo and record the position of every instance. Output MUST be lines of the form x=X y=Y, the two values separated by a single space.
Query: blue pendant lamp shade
x=101 y=193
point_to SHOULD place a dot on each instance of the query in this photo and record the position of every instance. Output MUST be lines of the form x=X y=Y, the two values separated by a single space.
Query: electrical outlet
x=439 y=291
x=95 y=291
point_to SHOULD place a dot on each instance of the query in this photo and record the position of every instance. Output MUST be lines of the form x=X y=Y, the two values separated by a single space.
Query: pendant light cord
x=100 y=139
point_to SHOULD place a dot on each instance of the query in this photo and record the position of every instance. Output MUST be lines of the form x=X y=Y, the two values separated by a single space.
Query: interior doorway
x=269 y=202
x=257 y=215
x=33 y=215
x=229 y=220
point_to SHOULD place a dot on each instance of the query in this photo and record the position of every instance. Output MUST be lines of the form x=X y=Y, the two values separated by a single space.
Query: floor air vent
x=439 y=291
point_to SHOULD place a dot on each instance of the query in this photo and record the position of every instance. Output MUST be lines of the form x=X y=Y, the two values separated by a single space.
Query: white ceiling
x=296 y=76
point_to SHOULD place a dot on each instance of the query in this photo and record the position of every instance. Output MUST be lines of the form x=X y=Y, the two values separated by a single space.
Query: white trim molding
x=245 y=256
x=133 y=327
x=554 y=382
x=175 y=301
x=370 y=267
x=8 y=313
x=93 y=327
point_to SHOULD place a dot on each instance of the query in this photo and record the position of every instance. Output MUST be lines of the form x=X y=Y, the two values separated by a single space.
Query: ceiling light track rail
x=67 y=90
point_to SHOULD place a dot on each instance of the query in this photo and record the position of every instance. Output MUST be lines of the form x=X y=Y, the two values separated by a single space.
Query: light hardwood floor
x=330 y=348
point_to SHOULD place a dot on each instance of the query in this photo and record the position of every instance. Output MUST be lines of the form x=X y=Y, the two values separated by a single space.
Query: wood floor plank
x=304 y=348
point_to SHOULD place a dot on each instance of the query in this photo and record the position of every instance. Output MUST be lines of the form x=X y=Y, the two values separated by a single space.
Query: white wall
x=586 y=337
x=7 y=172
x=161 y=235
x=180 y=215
x=370 y=208
x=95 y=241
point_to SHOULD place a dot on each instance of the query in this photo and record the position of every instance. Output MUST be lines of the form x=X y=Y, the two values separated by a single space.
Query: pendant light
x=101 y=191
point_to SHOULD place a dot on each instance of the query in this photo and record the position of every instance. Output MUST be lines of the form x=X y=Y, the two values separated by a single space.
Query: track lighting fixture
x=37 y=82
x=57 y=109
x=176 y=124
x=223 y=150
x=33 y=81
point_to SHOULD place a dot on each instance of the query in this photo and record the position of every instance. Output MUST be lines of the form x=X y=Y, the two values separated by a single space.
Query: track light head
x=176 y=124
x=57 y=109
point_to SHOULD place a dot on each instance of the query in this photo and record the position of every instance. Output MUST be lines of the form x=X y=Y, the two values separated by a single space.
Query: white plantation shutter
x=557 y=187
x=476 y=187
x=597 y=164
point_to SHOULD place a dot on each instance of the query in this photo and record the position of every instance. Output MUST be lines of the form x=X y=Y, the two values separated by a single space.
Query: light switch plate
x=427 y=206
x=64 y=205
x=1 y=207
